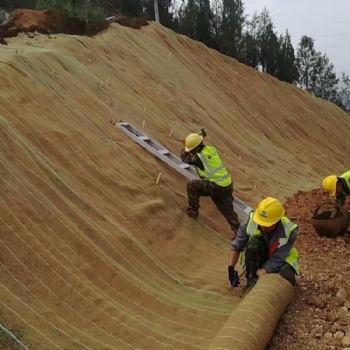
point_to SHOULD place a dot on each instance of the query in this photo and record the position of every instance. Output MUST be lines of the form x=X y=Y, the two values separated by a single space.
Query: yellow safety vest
x=214 y=170
x=293 y=255
x=346 y=177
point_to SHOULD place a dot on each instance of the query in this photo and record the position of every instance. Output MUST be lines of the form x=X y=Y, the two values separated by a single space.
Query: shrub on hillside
x=93 y=16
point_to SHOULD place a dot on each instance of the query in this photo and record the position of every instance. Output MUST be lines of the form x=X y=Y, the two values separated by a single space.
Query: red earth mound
x=50 y=22
x=44 y=21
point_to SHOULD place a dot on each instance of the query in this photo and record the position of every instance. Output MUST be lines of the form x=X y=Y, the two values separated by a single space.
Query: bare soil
x=51 y=22
x=319 y=317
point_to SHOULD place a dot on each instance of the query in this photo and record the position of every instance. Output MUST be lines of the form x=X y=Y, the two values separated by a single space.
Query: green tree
x=268 y=44
x=165 y=11
x=131 y=7
x=204 y=22
x=287 y=68
x=324 y=80
x=217 y=10
x=306 y=59
x=250 y=45
x=196 y=18
x=188 y=18
x=343 y=94
x=232 y=27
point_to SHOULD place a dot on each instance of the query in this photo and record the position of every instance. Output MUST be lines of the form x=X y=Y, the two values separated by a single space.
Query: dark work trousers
x=221 y=196
x=256 y=255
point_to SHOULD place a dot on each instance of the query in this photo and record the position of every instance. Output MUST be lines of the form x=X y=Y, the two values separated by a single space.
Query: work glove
x=233 y=277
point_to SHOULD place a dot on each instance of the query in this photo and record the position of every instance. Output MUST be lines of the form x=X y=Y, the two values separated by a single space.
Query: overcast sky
x=326 y=21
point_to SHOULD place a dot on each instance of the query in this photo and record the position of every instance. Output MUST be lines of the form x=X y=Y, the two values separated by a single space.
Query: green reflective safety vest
x=293 y=255
x=214 y=170
x=346 y=177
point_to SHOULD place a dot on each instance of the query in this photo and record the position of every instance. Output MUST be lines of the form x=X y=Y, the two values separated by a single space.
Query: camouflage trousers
x=256 y=255
x=221 y=196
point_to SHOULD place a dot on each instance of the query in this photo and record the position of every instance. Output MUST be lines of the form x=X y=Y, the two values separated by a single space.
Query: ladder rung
x=184 y=166
x=158 y=150
x=144 y=138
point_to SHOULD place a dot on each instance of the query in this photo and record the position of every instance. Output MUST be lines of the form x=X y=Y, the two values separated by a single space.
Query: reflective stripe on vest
x=214 y=170
x=346 y=177
x=253 y=231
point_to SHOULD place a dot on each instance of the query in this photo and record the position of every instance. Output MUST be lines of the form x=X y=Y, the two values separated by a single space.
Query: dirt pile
x=319 y=317
x=51 y=22
x=26 y=21
x=93 y=253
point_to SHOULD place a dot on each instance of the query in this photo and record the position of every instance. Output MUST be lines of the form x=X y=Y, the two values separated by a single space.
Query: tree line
x=223 y=26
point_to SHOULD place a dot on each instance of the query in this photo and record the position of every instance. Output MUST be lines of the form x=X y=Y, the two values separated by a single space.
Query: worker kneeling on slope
x=265 y=244
x=215 y=179
x=339 y=187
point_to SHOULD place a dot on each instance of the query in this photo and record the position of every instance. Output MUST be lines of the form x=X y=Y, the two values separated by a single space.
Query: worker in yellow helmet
x=215 y=181
x=338 y=186
x=265 y=244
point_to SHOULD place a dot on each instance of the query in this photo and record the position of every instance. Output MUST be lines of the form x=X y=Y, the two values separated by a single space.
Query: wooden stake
x=158 y=178
x=143 y=123
x=101 y=84
x=171 y=132
x=107 y=82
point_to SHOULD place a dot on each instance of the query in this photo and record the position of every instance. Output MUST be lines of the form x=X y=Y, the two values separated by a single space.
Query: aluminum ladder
x=175 y=162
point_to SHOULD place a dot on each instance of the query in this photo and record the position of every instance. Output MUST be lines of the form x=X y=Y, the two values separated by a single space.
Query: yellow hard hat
x=192 y=141
x=269 y=212
x=329 y=184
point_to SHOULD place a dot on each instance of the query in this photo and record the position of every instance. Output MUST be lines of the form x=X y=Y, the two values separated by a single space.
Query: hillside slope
x=94 y=255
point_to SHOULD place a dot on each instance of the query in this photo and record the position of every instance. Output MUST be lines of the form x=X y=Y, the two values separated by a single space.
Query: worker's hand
x=233 y=277
x=261 y=272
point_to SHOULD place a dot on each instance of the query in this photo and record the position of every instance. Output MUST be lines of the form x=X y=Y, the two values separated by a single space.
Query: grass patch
x=93 y=16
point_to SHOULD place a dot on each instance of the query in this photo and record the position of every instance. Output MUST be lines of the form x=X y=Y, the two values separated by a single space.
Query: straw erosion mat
x=94 y=255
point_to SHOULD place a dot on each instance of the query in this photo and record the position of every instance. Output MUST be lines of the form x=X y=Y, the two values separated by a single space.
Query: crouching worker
x=265 y=244
x=338 y=186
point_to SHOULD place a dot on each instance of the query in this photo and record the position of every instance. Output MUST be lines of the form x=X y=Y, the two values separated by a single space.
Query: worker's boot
x=192 y=213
